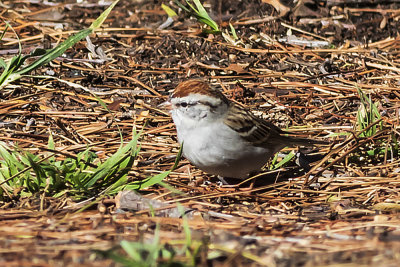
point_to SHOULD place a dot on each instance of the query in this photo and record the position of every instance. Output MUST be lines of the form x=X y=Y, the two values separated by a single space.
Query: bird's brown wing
x=260 y=132
x=250 y=127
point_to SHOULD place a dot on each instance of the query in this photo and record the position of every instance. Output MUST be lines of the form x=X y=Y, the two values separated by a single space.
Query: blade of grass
x=169 y=11
x=156 y=179
x=12 y=74
x=201 y=14
x=4 y=32
x=233 y=31
x=285 y=160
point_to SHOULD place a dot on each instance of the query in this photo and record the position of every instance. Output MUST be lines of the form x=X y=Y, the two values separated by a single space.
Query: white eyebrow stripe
x=199 y=98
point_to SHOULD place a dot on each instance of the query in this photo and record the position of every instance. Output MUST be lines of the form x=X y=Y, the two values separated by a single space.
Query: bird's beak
x=166 y=105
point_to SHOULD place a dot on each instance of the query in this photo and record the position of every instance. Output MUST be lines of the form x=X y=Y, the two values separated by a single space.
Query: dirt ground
x=301 y=71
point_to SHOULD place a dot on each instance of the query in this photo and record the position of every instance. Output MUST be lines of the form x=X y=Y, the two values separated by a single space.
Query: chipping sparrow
x=221 y=137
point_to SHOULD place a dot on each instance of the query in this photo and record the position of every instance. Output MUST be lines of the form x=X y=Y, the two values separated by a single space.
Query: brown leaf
x=238 y=68
x=282 y=9
x=114 y=106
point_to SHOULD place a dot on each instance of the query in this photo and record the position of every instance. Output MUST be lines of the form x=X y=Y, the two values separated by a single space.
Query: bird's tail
x=292 y=139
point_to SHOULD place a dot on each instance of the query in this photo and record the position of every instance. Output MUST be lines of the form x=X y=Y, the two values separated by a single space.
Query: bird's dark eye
x=184 y=104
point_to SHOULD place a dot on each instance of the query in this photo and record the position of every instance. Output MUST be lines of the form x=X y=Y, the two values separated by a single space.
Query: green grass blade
x=285 y=160
x=156 y=179
x=4 y=32
x=179 y=4
x=3 y=64
x=112 y=165
x=367 y=114
x=201 y=14
x=233 y=31
x=9 y=69
x=51 y=145
x=169 y=11
x=14 y=63
x=99 y=21
x=149 y=181
x=131 y=248
x=205 y=18
x=154 y=248
x=57 y=51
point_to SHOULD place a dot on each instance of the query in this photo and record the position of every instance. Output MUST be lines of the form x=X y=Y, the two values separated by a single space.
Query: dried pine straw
x=345 y=209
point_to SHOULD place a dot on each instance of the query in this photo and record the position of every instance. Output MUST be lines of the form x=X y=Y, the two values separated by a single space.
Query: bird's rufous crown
x=196 y=87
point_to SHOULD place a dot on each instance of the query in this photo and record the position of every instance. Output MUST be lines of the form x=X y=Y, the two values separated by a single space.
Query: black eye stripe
x=185 y=104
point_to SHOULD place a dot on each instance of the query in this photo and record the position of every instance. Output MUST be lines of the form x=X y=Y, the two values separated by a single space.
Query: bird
x=221 y=137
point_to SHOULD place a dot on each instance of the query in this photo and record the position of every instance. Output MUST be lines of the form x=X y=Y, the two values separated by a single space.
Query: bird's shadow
x=298 y=168
x=262 y=178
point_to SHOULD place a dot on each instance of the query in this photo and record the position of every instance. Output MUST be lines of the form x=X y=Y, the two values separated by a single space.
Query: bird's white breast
x=217 y=149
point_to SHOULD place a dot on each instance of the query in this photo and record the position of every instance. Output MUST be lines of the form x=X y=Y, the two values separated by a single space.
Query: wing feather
x=251 y=128
x=260 y=132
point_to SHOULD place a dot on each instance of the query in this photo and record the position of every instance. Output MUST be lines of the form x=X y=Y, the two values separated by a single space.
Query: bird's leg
x=253 y=178
x=225 y=184
x=302 y=161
